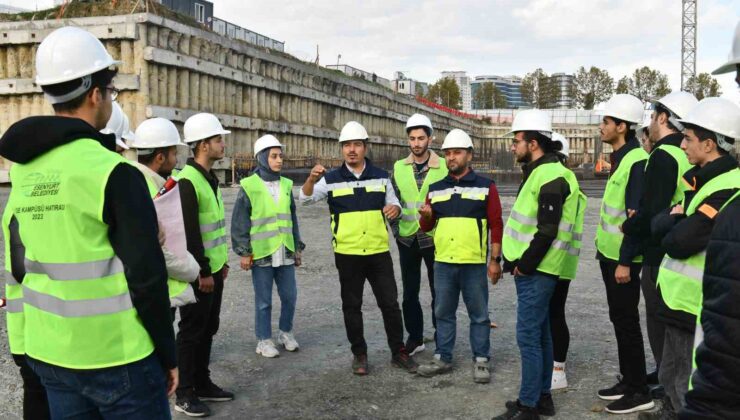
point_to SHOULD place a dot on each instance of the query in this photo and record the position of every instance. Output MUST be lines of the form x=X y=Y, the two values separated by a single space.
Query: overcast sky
x=486 y=37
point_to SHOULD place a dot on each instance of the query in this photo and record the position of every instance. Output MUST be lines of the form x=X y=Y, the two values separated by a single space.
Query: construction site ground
x=316 y=382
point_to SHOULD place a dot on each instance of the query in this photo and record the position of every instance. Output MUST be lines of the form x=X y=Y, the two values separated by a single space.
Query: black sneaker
x=413 y=346
x=404 y=361
x=614 y=393
x=213 y=392
x=652 y=378
x=516 y=411
x=631 y=403
x=545 y=406
x=657 y=392
x=359 y=365
x=191 y=406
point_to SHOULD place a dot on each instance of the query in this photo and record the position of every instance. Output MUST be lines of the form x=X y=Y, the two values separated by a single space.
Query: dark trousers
x=413 y=316
x=655 y=327
x=378 y=271
x=558 y=326
x=623 y=301
x=198 y=324
x=35 y=403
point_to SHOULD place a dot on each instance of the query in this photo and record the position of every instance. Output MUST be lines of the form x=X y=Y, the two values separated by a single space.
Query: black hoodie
x=129 y=212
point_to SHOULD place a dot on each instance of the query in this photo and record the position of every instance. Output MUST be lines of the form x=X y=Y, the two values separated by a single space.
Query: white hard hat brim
x=122 y=144
x=728 y=67
x=67 y=78
x=217 y=133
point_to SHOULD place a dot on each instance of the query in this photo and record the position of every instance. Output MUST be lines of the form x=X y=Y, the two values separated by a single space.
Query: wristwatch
x=498 y=259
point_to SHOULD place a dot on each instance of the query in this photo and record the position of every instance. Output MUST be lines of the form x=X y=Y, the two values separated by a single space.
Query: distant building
x=200 y=10
x=463 y=82
x=509 y=86
x=355 y=72
x=403 y=84
x=565 y=84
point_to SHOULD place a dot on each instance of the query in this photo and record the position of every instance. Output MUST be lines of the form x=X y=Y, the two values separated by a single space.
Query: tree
x=592 y=87
x=645 y=83
x=540 y=90
x=703 y=86
x=488 y=96
x=445 y=92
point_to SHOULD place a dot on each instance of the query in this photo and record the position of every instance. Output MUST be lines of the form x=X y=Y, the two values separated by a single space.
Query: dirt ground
x=316 y=382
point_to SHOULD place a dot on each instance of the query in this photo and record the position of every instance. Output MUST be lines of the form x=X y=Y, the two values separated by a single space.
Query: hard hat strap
x=60 y=99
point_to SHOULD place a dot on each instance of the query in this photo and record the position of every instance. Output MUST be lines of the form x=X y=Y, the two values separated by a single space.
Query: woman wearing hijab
x=264 y=232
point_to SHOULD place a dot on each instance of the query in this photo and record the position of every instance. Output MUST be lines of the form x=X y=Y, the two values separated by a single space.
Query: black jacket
x=716 y=382
x=660 y=183
x=684 y=236
x=129 y=212
x=551 y=199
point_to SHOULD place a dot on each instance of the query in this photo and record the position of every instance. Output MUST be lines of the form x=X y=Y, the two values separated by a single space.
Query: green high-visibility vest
x=411 y=197
x=13 y=292
x=522 y=222
x=470 y=231
x=680 y=281
x=76 y=302
x=613 y=212
x=683 y=165
x=272 y=223
x=211 y=217
x=570 y=265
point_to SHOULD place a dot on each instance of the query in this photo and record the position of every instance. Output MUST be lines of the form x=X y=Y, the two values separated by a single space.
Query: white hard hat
x=557 y=137
x=532 y=120
x=67 y=54
x=457 y=139
x=118 y=124
x=624 y=107
x=647 y=117
x=680 y=104
x=718 y=115
x=418 y=120
x=267 y=141
x=202 y=126
x=734 y=57
x=155 y=133
x=353 y=131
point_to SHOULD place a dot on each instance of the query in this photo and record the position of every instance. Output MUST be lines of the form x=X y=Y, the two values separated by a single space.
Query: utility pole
x=688 y=42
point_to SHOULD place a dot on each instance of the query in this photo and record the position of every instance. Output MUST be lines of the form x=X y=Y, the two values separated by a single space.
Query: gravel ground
x=316 y=382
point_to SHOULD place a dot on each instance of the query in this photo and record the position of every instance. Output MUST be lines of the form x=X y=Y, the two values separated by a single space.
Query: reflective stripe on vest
x=210 y=216
x=521 y=225
x=570 y=265
x=271 y=222
x=613 y=212
x=413 y=198
x=77 y=307
x=680 y=281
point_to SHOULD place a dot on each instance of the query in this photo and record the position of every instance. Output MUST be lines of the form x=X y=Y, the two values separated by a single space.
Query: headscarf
x=263 y=167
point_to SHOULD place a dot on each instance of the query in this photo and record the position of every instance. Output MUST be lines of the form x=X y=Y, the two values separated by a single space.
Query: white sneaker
x=559 y=381
x=288 y=341
x=267 y=348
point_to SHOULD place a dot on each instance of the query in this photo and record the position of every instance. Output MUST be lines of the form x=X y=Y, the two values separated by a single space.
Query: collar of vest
x=697 y=177
x=471 y=179
x=370 y=172
x=434 y=160
x=528 y=168
x=632 y=144
x=673 y=139
x=148 y=172
x=210 y=176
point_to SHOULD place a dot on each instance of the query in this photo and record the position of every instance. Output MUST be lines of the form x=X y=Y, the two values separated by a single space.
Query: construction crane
x=688 y=42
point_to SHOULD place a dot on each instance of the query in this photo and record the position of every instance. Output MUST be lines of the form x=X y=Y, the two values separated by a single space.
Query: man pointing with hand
x=360 y=200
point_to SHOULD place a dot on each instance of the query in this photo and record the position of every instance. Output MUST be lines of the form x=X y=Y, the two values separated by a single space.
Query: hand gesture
x=391 y=211
x=426 y=211
x=316 y=173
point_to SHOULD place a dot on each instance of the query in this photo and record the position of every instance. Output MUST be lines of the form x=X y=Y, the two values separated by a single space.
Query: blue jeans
x=533 y=335
x=262 y=278
x=471 y=280
x=137 y=390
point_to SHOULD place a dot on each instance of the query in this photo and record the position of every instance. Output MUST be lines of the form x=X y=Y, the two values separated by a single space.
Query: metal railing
x=237 y=32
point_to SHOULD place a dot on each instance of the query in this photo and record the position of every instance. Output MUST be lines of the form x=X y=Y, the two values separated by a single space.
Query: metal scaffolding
x=688 y=42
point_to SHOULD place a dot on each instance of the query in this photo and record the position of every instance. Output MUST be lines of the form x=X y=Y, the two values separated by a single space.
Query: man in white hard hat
x=662 y=189
x=411 y=179
x=538 y=237
x=716 y=377
x=94 y=295
x=710 y=132
x=265 y=235
x=619 y=255
x=733 y=59
x=205 y=232
x=463 y=209
x=118 y=125
x=155 y=142
x=360 y=200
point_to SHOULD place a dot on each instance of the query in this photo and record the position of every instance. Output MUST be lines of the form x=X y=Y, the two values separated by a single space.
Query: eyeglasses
x=113 y=92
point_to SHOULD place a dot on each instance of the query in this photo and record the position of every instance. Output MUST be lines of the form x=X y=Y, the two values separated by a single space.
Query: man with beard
x=411 y=179
x=462 y=209
x=538 y=237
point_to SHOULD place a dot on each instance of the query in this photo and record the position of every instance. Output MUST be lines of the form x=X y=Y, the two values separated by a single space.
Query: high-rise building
x=565 y=84
x=509 y=86
x=463 y=82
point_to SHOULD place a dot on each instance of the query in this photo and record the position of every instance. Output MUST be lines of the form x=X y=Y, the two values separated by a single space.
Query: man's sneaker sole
x=418 y=349
x=264 y=355
x=182 y=410
x=215 y=399
x=610 y=397
x=399 y=365
x=647 y=406
x=482 y=380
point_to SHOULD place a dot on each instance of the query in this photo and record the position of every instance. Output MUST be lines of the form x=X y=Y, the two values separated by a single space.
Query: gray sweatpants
x=675 y=368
